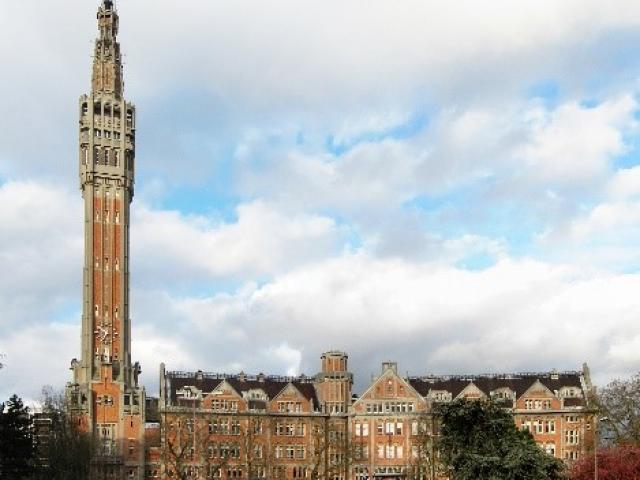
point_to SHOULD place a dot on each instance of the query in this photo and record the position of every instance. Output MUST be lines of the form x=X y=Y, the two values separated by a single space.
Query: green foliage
x=479 y=440
x=16 y=443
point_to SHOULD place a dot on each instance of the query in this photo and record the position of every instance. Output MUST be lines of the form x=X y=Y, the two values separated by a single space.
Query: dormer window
x=570 y=392
x=441 y=396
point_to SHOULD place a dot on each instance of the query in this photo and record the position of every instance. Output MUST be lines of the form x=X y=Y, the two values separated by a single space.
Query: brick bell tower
x=104 y=396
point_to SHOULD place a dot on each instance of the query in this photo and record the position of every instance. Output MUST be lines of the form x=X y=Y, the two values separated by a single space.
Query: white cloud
x=37 y=355
x=262 y=241
x=517 y=315
x=574 y=144
x=326 y=250
x=625 y=183
x=606 y=218
x=40 y=252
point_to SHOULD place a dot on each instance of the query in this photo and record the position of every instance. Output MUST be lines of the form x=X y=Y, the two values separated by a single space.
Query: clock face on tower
x=103 y=334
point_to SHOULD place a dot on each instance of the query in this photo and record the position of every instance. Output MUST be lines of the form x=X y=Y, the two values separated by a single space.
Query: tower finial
x=107 y=66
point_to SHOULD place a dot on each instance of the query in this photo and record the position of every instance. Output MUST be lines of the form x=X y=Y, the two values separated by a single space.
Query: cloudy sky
x=451 y=185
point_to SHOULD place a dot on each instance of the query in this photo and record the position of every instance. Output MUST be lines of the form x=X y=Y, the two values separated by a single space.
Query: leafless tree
x=421 y=461
x=619 y=406
x=190 y=450
x=331 y=451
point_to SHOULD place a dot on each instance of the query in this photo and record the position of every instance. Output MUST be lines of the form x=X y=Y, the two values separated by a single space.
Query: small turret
x=334 y=382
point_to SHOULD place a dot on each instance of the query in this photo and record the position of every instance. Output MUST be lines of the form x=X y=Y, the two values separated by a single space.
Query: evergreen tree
x=479 y=440
x=16 y=443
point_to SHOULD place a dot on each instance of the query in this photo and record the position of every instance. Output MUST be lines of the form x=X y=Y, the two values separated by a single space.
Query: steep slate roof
x=271 y=385
x=519 y=383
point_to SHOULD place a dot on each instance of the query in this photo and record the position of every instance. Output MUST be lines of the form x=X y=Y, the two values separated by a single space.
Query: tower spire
x=107 y=62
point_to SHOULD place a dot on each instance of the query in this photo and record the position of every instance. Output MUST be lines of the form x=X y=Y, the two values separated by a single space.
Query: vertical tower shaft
x=105 y=390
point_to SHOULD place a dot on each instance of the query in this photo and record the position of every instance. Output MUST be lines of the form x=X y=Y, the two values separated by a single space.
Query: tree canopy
x=68 y=451
x=479 y=440
x=16 y=443
x=619 y=405
x=615 y=463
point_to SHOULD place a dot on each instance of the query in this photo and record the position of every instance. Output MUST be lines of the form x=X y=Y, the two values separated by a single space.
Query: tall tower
x=104 y=394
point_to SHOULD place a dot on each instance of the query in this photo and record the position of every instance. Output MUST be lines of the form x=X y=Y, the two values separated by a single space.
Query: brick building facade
x=208 y=421
x=239 y=426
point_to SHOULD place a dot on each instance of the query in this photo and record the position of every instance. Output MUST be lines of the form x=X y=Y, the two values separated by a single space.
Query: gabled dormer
x=224 y=398
x=389 y=394
x=504 y=395
x=290 y=400
x=538 y=397
x=471 y=392
x=188 y=393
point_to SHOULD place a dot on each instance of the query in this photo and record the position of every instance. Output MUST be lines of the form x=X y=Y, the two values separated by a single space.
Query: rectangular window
x=390 y=451
x=571 y=437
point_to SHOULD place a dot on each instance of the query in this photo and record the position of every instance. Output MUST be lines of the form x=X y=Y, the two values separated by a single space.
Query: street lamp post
x=595 y=444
